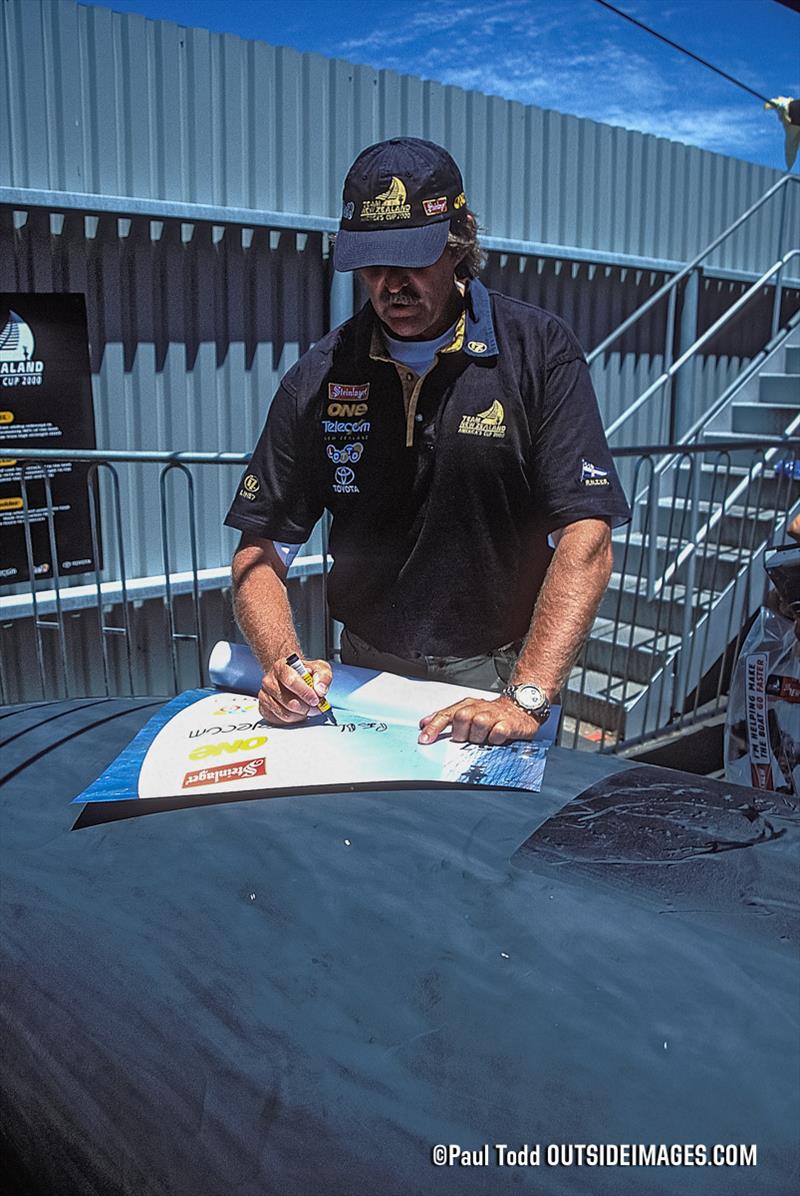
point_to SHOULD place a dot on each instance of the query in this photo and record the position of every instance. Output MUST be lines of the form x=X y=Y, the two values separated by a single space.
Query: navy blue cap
x=399 y=200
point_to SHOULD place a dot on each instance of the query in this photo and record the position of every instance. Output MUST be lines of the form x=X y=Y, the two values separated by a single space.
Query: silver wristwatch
x=531 y=699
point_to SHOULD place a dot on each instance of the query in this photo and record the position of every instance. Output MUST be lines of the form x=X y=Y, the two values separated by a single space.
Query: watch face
x=529 y=696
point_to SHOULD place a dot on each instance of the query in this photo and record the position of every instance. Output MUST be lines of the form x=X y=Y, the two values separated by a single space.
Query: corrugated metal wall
x=115 y=104
x=191 y=326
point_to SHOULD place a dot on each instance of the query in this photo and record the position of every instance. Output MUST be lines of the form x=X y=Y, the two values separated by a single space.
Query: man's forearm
x=567 y=604
x=261 y=602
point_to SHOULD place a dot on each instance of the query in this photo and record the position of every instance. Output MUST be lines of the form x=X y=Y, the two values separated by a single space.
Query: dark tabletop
x=305 y=994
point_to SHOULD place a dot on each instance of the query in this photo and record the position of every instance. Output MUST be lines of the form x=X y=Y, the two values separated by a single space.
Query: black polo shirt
x=439 y=545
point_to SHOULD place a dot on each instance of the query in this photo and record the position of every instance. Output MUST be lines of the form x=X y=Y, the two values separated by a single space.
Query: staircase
x=687 y=571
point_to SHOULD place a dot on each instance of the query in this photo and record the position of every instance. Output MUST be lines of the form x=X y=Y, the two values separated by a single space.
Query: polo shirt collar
x=474 y=333
x=479 y=338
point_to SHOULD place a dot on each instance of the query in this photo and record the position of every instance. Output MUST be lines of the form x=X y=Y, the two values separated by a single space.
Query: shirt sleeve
x=277 y=498
x=574 y=471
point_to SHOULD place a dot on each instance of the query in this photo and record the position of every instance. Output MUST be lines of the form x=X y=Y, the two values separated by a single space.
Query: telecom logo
x=345 y=481
x=244 y=770
x=17 y=362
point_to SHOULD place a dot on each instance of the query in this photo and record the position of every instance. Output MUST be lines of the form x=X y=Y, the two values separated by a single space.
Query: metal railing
x=70 y=636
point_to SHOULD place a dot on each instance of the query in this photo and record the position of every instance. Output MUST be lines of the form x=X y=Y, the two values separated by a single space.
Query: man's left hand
x=479 y=720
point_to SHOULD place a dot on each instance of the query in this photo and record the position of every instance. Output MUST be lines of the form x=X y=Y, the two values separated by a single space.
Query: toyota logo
x=344 y=475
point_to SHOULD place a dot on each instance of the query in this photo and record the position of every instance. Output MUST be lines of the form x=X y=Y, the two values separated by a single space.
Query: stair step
x=589 y=696
x=621 y=650
x=744 y=456
x=740 y=524
x=719 y=477
x=715 y=563
x=764 y=419
x=779 y=388
x=626 y=599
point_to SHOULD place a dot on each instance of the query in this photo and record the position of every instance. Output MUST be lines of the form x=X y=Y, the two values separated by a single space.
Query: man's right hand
x=285 y=698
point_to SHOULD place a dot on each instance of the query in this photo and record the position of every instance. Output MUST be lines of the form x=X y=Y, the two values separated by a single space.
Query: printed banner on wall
x=45 y=402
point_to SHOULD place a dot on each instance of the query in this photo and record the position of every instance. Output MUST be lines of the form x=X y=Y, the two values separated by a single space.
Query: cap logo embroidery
x=389 y=205
x=485 y=423
x=459 y=201
x=348 y=210
x=435 y=207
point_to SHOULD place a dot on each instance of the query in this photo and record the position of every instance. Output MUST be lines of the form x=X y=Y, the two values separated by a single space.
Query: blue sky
x=571 y=55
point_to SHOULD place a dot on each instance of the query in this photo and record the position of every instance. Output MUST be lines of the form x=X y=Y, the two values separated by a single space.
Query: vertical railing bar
x=166 y=560
x=26 y=523
x=51 y=535
x=712 y=588
x=638 y=468
x=92 y=481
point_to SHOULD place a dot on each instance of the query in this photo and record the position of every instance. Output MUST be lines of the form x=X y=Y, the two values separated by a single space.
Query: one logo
x=459 y=201
x=250 y=487
x=349 y=452
x=228 y=747
x=241 y=771
x=476 y=347
x=16 y=351
x=485 y=423
x=347 y=210
x=592 y=475
x=348 y=400
x=389 y=205
x=435 y=207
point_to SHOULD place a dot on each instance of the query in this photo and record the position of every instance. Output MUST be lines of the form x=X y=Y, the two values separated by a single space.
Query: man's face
x=418 y=304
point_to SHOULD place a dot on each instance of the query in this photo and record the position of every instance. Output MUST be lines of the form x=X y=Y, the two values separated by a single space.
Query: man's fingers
x=478 y=721
x=434 y=724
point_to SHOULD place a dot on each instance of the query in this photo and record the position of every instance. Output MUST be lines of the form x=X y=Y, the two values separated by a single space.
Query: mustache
x=403 y=298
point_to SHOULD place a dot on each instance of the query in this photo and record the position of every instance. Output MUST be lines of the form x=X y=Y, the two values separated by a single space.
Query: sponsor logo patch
x=476 y=346
x=435 y=207
x=485 y=423
x=459 y=201
x=241 y=771
x=352 y=391
x=348 y=452
x=389 y=205
x=332 y=427
x=347 y=210
x=250 y=487
x=345 y=481
x=592 y=475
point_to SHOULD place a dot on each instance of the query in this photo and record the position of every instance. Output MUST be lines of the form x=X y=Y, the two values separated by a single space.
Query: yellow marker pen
x=296 y=663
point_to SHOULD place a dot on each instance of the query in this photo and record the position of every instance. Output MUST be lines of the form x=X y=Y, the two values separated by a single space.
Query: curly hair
x=463 y=236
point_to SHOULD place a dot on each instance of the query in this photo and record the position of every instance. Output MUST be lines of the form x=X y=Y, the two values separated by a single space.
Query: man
x=454 y=435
